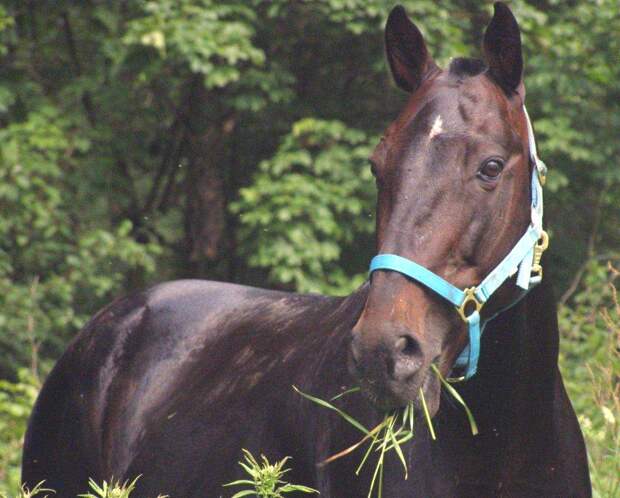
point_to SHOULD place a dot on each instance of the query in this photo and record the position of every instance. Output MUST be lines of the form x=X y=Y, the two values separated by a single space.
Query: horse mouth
x=387 y=396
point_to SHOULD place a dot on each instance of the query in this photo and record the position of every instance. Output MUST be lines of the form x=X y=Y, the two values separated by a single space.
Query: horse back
x=157 y=372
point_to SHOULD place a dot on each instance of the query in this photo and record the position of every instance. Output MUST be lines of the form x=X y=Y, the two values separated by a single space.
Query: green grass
x=396 y=428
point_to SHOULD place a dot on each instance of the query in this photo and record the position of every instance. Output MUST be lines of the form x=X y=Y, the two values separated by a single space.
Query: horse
x=171 y=383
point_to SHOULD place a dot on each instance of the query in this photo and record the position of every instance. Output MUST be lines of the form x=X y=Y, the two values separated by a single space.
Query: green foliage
x=591 y=366
x=215 y=38
x=121 y=122
x=302 y=213
x=573 y=88
x=266 y=479
x=54 y=269
x=16 y=401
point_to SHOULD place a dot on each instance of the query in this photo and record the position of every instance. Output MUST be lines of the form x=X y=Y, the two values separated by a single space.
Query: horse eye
x=491 y=169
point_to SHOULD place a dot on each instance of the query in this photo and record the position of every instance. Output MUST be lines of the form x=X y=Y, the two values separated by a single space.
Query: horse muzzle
x=395 y=367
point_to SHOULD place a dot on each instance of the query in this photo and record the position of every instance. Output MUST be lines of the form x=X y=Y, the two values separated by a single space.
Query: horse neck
x=520 y=349
x=513 y=395
x=325 y=369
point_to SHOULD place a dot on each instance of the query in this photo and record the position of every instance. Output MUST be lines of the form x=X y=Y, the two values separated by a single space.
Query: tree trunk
x=207 y=238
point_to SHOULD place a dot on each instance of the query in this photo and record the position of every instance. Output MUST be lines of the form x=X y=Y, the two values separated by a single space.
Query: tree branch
x=172 y=173
x=164 y=165
x=70 y=39
x=129 y=187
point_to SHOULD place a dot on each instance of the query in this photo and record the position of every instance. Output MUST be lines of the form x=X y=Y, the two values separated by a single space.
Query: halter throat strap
x=523 y=260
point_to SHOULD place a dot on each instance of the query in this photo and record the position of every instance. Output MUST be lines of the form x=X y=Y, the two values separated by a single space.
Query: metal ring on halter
x=470 y=298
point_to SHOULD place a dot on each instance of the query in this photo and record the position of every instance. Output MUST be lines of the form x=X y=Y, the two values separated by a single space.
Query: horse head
x=453 y=173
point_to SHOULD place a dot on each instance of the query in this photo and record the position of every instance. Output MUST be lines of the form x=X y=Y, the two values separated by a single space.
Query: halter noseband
x=523 y=259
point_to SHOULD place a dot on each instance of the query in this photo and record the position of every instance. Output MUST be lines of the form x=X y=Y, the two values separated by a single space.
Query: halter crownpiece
x=523 y=259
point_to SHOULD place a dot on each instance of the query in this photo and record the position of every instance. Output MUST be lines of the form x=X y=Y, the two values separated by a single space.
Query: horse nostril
x=406 y=358
x=407 y=346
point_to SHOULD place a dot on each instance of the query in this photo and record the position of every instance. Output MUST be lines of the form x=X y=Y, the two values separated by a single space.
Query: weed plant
x=111 y=490
x=24 y=492
x=265 y=479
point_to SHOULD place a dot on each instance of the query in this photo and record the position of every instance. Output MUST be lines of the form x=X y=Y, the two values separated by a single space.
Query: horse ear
x=406 y=51
x=502 y=49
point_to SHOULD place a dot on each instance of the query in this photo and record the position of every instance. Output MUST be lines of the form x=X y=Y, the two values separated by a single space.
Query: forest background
x=143 y=141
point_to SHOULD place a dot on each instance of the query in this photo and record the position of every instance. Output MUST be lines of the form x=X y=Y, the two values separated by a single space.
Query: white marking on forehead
x=437 y=127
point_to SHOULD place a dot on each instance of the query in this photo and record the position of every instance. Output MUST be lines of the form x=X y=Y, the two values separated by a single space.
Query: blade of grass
x=395 y=430
x=408 y=416
x=402 y=440
x=381 y=481
x=378 y=467
x=396 y=445
x=455 y=394
x=369 y=450
x=352 y=447
x=344 y=393
x=326 y=404
x=427 y=415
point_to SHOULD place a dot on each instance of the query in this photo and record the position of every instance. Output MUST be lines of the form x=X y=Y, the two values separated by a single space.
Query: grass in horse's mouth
x=396 y=428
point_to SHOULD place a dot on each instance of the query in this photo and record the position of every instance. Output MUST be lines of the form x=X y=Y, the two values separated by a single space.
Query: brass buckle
x=470 y=297
x=540 y=247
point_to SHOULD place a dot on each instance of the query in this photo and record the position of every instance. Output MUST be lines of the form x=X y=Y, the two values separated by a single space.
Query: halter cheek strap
x=523 y=259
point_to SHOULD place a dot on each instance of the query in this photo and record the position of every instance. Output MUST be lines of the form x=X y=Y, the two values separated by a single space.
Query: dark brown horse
x=171 y=383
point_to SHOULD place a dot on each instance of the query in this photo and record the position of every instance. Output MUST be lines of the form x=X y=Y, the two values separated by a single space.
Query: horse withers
x=171 y=383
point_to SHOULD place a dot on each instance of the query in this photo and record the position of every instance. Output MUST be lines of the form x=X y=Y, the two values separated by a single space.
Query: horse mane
x=466 y=67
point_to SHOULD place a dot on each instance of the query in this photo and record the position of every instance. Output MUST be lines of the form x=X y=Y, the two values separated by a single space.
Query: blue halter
x=523 y=259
